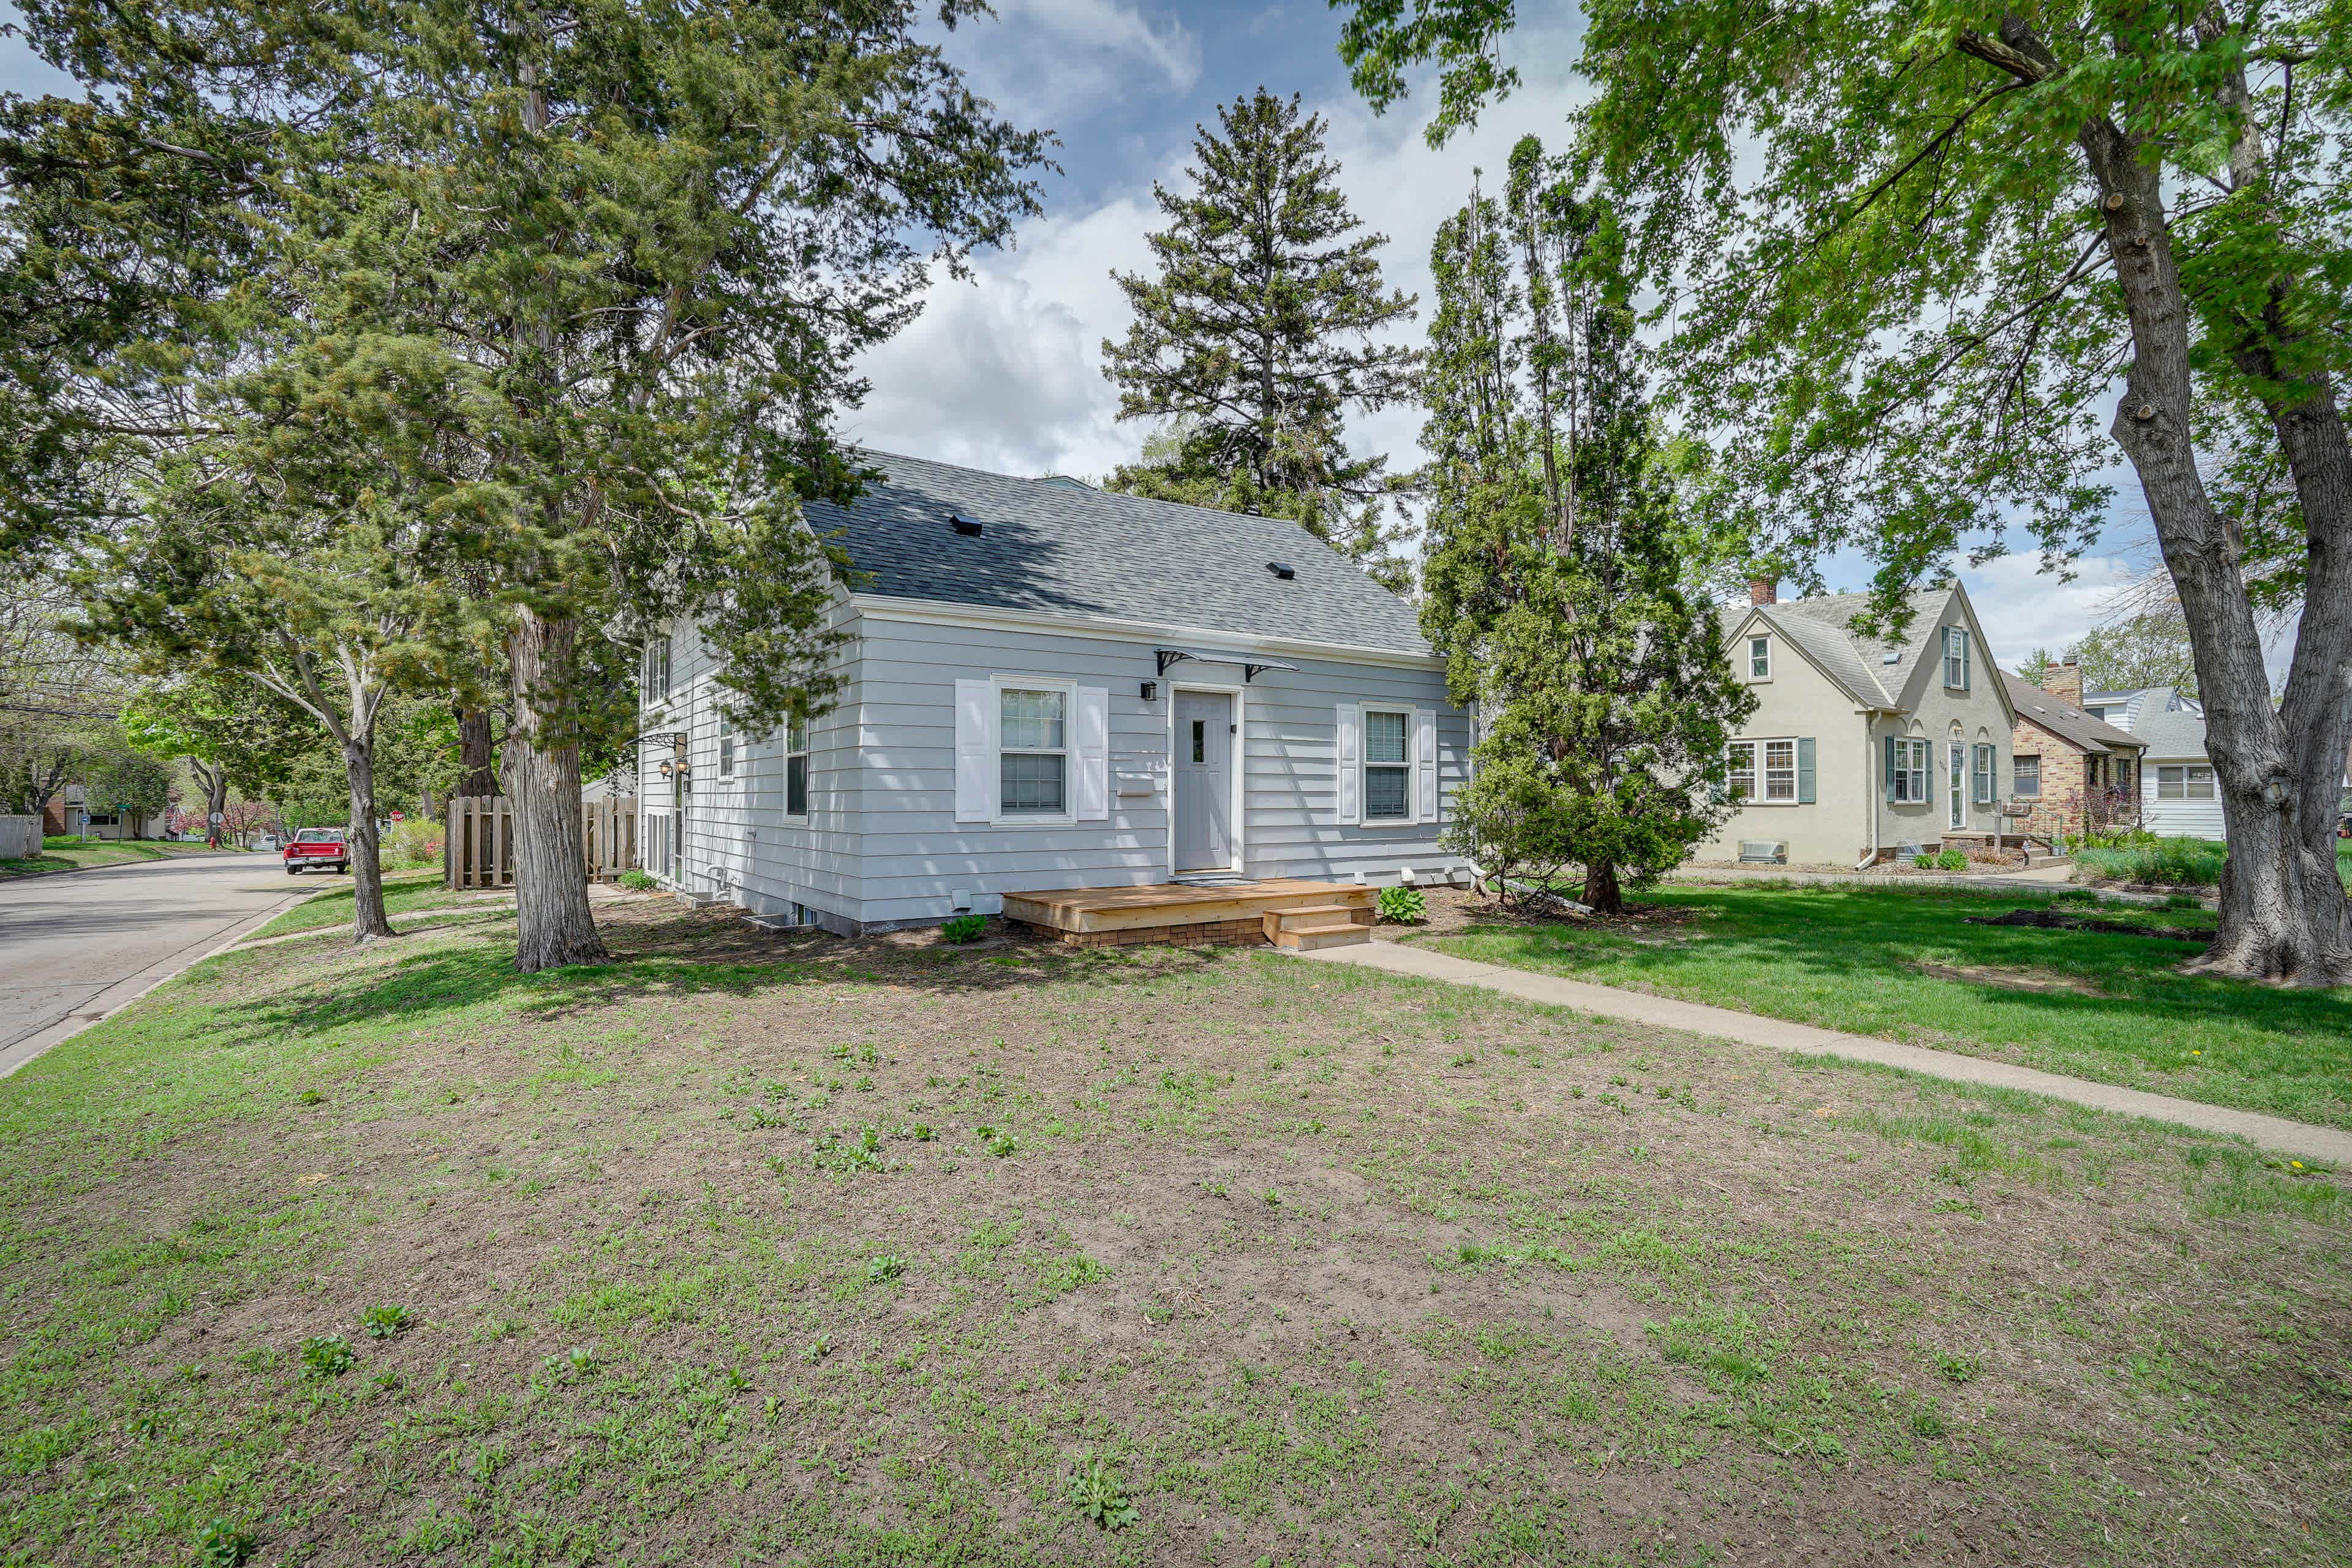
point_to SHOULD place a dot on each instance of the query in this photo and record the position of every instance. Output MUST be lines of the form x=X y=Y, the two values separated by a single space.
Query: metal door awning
x=1251 y=664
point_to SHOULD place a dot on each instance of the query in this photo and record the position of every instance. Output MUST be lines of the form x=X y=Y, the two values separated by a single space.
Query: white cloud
x=2022 y=608
x=1058 y=60
x=1120 y=32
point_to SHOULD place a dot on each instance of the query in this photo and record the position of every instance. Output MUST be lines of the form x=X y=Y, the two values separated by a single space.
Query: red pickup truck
x=317 y=846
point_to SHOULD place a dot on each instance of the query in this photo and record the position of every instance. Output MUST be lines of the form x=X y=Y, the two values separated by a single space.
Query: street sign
x=216 y=818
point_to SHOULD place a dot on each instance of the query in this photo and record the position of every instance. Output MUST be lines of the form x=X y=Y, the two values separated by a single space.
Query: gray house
x=1055 y=690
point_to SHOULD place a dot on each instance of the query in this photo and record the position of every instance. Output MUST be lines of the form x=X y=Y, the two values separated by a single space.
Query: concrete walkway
x=2275 y=1132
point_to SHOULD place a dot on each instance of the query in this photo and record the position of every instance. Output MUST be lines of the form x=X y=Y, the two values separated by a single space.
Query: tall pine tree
x=1557 y=565
x=1257 y=337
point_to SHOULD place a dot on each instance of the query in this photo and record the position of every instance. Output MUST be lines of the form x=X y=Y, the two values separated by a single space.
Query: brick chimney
x=1763 y=590
x=2064 y=681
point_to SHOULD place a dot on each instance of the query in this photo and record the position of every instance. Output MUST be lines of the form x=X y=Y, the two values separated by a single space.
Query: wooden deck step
x=1315 y=915
x=1328 y=927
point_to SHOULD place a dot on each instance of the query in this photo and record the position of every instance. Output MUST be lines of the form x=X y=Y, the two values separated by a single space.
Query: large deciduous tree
x=1557 y=564
x=1260 y=332
x=1934 y=266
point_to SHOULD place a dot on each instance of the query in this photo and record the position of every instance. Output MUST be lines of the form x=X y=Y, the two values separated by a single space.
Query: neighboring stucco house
x=1048 y=687
x=1862 y=746
x=2070 y=765
x=2178 y=793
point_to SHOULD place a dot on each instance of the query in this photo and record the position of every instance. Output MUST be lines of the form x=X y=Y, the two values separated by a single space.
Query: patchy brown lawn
x=794 y=1249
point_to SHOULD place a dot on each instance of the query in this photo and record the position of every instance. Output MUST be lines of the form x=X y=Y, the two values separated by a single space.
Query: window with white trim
x=796 y=767
x=656 y=671
x=1742 y=778
x=1766 y=772
x=2025 y=776
x=1981 y=775
x=1781 y=770
x=1956 y=657
x=1907 y=785
x=725 y=745
x=1388 y=766
x=1759 y=658
x=1033 y=752
x=2184 y=782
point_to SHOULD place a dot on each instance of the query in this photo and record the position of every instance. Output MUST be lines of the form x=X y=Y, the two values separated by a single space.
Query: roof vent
x=1282 y=569
x=1891 y=655
x=963 y=525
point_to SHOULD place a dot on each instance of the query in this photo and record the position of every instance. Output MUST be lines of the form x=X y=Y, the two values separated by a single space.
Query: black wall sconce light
x=1152 y=691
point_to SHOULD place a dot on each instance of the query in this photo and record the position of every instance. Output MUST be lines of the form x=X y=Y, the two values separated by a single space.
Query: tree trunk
x=215 y=785
x=1602 y=889
x=2277 y=921
x=476 y=776
x=369 y=923
x=553 y=923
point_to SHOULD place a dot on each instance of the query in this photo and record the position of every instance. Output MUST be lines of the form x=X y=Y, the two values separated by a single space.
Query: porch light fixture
x=1152 y=691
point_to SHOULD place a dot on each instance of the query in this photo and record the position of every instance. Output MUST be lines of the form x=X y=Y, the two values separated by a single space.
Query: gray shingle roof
x=2158 y=718
x=2066 y=721
x=1823 y=626
x=1058 y=547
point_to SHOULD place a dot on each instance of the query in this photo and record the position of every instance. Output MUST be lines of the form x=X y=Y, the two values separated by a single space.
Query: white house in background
x=1048 y=687
x=1862 y=747
x=2178 y=793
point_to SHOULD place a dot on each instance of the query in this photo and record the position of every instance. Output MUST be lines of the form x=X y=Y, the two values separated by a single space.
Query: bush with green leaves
x=1095 y=1490
x=1403 y=906
x=965 y=928
x=1923 y=862
x=638 y=881
x=1953 y=860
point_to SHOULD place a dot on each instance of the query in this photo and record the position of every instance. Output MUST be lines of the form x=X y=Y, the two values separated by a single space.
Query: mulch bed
x=2055 y=920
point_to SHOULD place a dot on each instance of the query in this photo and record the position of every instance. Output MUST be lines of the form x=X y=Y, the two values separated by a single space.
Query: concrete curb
x=124 y=992
x=2276 y=1132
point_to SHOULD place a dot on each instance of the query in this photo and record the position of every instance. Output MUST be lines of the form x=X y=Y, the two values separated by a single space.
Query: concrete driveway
x=78 y=944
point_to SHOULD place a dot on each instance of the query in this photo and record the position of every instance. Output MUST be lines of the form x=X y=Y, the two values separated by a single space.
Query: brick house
x=2074 y=771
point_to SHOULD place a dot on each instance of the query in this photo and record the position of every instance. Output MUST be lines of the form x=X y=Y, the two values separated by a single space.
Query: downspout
x=1870 y=777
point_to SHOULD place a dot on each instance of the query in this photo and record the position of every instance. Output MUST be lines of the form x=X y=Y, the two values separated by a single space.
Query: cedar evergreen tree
x=631 y=251
x=1555 y=575
x=1258 y=334
x=1934 y=265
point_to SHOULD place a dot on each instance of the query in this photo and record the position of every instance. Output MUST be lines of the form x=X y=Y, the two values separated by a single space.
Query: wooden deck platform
x=1241 y=912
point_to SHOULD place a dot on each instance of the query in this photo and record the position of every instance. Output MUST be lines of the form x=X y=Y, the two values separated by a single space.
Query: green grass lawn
x=2178 y=862
x=405 y=892
x=1903 y=964
x=758 y=1248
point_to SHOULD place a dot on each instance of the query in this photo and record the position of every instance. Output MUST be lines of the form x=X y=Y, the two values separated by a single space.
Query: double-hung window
x=2025 y=776
x=796 y=767
x=1033 y=752
x=1779 y=770
x=1388 y=766
x=1906 y=780
x=1956 y=657
x=656 y=673
x=1981 y=775
x=725 y=745
x=1743 y=770
x=2187 y=781
x=1759 y=658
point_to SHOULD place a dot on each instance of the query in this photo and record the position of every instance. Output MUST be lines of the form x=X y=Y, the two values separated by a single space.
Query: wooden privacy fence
x=478 y=849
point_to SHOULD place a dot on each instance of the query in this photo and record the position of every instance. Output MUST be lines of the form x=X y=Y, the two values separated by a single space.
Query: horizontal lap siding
x=916 y=854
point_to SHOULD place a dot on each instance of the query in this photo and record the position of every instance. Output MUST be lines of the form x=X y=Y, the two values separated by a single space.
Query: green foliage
x=844 y=1158
x=1093 y=1489
x=384 y=1322
x=965 y=928
x=1923 y=862
x=221 y=1544
x=2181 y=862
x=1256 y=337
x=1556 y=566
x=996 y=1141
x=2150 y=649
x=638 y=881
x=1403 y=906
x=1952 y=860
x=884 y=1266
x=327 y=1355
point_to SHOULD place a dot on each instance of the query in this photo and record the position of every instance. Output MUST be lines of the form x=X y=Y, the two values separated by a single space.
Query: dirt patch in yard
x=792 y=1247
x=2040 y=980
x=2058 y=919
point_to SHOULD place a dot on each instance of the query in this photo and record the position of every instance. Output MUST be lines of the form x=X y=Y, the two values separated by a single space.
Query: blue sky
x=1004 y=373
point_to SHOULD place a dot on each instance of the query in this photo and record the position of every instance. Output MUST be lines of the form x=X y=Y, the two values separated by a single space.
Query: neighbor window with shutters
x=1906 y=770
x=1981 y=775
x=796 y=767
x=1759 y=658
x=1956 y=657
x=726 y=746
x=1033 y=753
x=1388 y=766
x=2025 y=776
x=2186 y=781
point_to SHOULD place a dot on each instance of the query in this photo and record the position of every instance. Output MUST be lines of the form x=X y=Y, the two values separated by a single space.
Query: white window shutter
x=1350 y=756
x=976 y=750
x=1424 y=749
x=1094 y=755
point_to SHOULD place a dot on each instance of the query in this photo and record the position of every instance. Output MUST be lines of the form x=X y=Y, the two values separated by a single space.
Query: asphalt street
x=75 y=946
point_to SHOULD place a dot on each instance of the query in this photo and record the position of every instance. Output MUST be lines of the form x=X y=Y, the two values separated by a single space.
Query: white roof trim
x=943 y=612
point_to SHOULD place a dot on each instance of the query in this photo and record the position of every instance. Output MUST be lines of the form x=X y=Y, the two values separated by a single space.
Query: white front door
x=1203 y=780
x=1959 y=817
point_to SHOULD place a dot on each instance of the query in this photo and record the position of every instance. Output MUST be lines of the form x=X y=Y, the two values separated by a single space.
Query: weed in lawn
x=1095 y=1490
x=327 y=1355
x=384 y=1322
x=884 y=1267
x=221 y=1544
